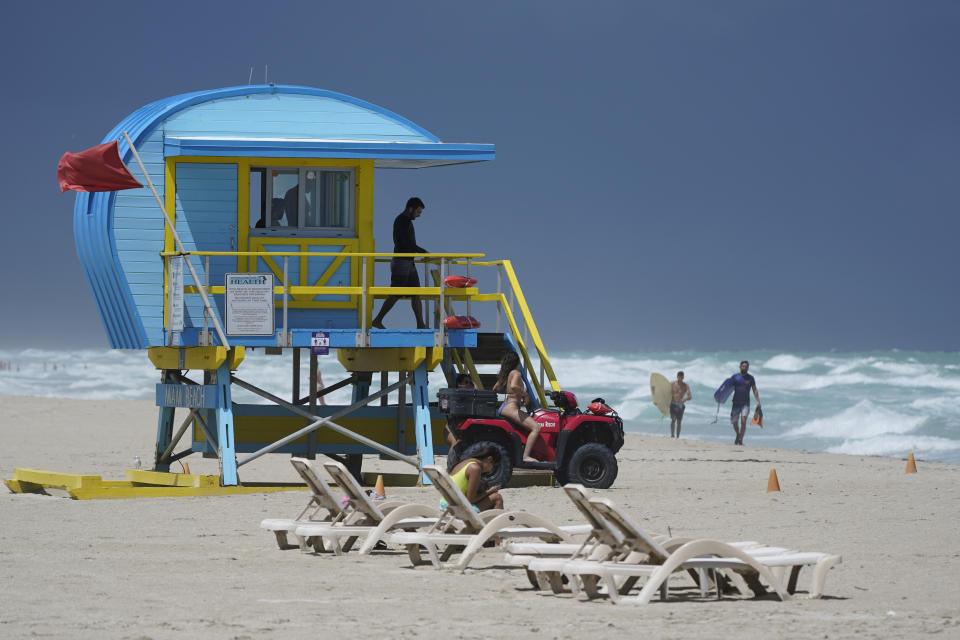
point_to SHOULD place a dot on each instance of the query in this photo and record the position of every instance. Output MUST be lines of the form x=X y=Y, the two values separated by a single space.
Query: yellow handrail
x=353 y=254
x=521 y=301
x=452 y=258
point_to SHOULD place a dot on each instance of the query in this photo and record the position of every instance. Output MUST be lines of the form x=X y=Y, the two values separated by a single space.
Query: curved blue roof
x=93 y=212
x=139 y=123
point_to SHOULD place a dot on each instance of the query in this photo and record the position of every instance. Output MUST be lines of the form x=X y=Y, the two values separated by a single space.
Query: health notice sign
x=320 y=343
x=250 y=310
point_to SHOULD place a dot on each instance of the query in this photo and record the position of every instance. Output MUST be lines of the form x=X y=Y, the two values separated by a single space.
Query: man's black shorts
x=403 y=273
x=677 y=409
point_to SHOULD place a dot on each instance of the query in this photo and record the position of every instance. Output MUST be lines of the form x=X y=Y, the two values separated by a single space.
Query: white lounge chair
x=462 y=530
x=544 y=561
x=323 y=506
x=370 y=520
x=756 y=565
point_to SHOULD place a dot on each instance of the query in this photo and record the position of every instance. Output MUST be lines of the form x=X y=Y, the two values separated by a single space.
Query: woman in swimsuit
x=468 y=476
x=510 y=382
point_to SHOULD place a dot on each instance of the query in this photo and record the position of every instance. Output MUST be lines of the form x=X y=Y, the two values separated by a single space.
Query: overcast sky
x=669 y=175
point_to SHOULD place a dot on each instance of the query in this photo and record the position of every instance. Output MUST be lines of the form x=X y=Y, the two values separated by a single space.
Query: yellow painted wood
x=90 y=487
x=403 y=291
x=122 y=490
x=435 y=357
x=243 y=211
x=366 y=242
x=204 y=358
x=55 y=479
x=303 y=293
x=170 y=204
x=164 y=479
x=295 y=290
x=389 y=359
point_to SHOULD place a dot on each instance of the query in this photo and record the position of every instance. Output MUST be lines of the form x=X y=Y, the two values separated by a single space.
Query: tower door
x=206 y=219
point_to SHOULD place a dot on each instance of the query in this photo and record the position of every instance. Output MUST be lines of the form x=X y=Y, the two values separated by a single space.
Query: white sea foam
x=863 y=420
x=786 y=362
x=940 y=405
x=898 y=445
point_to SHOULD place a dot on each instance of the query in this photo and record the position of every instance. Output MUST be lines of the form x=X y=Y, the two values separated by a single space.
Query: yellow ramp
x=139 y=484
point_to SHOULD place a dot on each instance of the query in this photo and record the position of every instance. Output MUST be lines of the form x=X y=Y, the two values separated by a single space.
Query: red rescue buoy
x=461 y=322
x=459 y=282
x=599 y=408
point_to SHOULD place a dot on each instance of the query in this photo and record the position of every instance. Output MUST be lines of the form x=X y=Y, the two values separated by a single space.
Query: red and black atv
x=578 y=447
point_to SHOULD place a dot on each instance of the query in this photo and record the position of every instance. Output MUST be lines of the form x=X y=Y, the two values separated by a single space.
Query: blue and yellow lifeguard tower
x=266 y=241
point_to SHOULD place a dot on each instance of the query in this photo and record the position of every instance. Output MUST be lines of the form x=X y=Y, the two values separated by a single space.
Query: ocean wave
x=787 y=362
x=940 y=405
x=863 y=420
x=904 y=368
x=898 y=446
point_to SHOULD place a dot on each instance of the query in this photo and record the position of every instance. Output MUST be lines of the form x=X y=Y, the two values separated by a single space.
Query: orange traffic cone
x=773 y=484
x=378 y=487
x=911 y=465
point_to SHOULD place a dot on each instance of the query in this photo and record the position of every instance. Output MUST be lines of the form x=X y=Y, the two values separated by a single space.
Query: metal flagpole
x=176 y=238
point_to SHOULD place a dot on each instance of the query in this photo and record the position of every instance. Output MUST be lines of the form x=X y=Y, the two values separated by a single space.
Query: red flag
x=98 y=168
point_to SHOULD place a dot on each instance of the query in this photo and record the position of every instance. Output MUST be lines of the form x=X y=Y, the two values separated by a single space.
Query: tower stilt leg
x=421 y=409
x=228 y=453
x=164 y=432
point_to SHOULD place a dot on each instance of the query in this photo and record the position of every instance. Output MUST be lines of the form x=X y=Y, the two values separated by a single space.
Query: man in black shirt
x=403 y=271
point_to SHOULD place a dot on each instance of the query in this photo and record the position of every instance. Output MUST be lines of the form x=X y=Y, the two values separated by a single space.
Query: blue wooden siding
x=318 y=319
x=290 y=116
x=207 y=221
x=138 y=230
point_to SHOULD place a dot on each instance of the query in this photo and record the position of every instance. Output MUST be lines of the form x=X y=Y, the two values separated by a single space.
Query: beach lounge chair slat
x=474 y=530
x=321 y=499
x=373 y=521
x=760 y=567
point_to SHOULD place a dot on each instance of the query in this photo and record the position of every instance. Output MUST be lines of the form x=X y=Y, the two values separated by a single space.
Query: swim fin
x=757 y=417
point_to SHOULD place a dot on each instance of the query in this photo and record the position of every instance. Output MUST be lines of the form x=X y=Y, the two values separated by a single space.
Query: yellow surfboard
x=660 y=390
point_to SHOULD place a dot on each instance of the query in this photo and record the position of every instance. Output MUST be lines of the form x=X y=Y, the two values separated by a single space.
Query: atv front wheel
x=593 y=465
x=502 y=471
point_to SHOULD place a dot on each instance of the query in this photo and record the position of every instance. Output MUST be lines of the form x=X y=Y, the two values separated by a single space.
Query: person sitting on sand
x=464 y=381
x=510 y=382
x=468 y=476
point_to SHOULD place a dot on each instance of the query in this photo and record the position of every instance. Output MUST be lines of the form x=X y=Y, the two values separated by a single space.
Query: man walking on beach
x=743 y=382
x=679 y=389
x=403 y=271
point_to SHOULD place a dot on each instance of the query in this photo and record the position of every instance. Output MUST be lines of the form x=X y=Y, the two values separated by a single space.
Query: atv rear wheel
x=502 y=471
x=593 y=465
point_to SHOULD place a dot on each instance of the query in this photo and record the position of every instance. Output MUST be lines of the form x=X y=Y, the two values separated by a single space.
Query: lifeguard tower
x=268 y=244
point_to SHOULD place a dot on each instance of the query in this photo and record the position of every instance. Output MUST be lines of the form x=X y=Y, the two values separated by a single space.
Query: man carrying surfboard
x=680 y=393
x=742 y=383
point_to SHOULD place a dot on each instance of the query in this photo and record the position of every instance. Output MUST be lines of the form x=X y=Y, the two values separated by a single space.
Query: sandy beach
x=201 y=567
